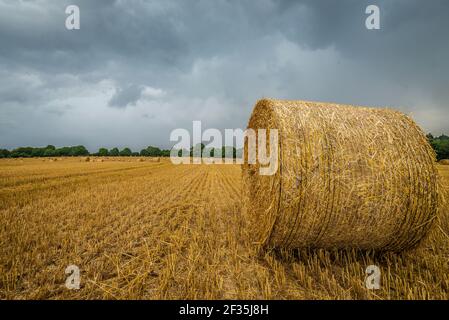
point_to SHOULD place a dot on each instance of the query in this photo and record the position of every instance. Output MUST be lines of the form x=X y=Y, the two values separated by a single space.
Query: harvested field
x=153 y=230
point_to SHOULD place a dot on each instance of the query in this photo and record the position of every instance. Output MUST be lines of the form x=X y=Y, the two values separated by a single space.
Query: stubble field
x=153 y=230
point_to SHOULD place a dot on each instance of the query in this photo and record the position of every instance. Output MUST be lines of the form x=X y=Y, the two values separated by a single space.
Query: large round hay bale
x=444 y=162
x=348 y=177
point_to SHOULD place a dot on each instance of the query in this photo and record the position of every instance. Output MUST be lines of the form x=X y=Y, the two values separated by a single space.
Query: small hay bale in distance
x=348 y=177
x=444 y=162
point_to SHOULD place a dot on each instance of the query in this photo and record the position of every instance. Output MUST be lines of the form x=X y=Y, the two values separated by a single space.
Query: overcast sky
x=138 y=69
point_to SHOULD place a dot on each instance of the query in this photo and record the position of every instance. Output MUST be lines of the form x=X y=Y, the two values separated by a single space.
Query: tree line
x=48 y=151
x=150 y=151
x=440 y=145
x=76 y=151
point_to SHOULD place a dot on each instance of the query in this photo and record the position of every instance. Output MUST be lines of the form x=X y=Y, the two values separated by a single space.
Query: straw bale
x=348 y=177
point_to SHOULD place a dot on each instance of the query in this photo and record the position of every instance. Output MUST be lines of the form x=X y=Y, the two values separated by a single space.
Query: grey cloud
x=111 y=31
x=124 y=97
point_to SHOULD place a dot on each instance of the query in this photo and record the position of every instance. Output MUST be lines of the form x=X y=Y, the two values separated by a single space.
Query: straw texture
x=348 y=177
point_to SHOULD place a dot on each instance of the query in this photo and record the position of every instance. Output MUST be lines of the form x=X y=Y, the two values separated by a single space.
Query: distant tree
x=64 y=151
x=180 y=152
x=223 y=152
x=114 y=152
x=229 y=152
x=441 y=147
x=197 y=150
x=50 y=147
x=165 y=153
x=24 y=151
x=126 y=152
x=154 y=151
x=144 y=153
x=4 y=153
x=218 y=153
x=103 y=152
x=79 y=151
x=38 y=152
x=239 y=153
x=14 y=154
x=49 y=153
x=135 y=154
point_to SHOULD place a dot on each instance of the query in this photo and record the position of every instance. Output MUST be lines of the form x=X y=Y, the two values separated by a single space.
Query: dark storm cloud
x=126 y=96
x=209 y=60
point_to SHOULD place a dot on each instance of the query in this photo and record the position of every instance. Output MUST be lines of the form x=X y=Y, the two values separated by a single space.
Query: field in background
x=152 y=230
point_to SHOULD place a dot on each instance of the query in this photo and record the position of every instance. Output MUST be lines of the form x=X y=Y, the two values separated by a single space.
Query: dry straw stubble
x=348 y=177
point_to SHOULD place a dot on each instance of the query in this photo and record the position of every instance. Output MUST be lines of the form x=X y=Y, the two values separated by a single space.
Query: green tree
x=23 y=152
x=239 y=153
x=184 y=152
x=64 y=151
x=103 y=152
x=49 y=153
x=197 y=150
x=4 y=153
x=114 y=152
x=126 y=152
x=144 y=153
x=38 y=152
x=79 y=151
x=229 y=152
x=441 y=147
x=165 y=153
x=154 y=151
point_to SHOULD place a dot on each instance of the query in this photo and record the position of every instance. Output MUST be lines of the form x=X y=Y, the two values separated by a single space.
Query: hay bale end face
x=348 y=177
